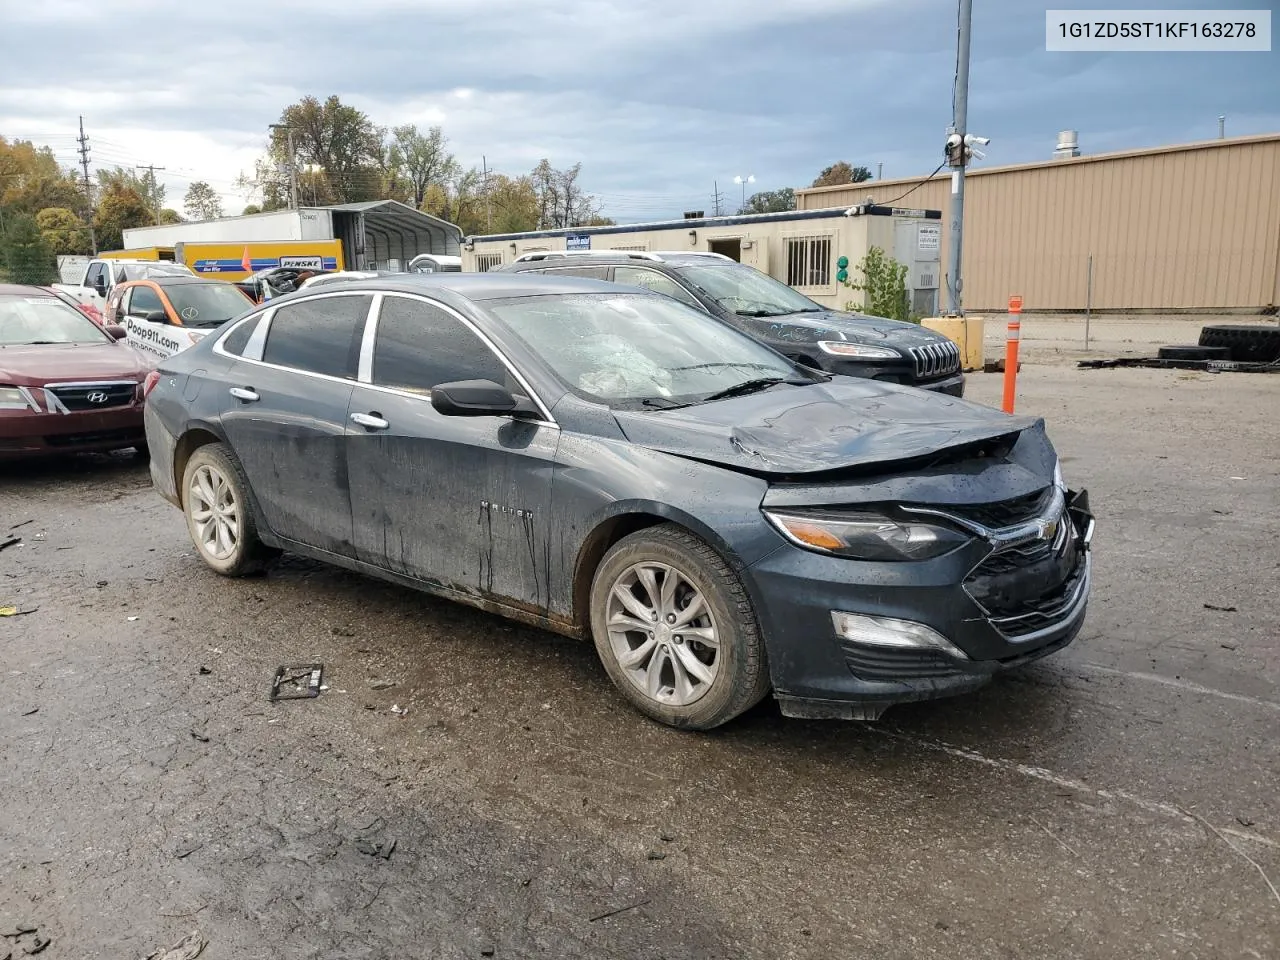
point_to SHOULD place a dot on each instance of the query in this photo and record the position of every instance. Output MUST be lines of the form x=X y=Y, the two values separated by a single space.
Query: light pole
x=743 y=181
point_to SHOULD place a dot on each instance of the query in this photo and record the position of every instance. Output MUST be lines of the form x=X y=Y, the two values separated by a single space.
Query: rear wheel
x=675 y=630
x=216 y=504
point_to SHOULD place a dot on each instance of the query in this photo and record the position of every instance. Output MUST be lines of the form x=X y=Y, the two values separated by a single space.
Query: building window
x=640 y=249
x=487 y=261
x=808 y=261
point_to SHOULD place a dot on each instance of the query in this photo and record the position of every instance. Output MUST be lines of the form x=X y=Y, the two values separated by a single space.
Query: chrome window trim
x=364 y=368
x=484 y=338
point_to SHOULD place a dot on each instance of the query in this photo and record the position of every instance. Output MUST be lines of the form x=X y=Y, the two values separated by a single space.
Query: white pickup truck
x=102 y=276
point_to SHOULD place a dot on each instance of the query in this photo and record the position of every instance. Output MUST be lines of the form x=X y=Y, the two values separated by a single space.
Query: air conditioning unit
x=928 y=281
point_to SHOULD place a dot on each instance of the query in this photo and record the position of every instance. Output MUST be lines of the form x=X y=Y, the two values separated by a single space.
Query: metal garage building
x=1190 y=227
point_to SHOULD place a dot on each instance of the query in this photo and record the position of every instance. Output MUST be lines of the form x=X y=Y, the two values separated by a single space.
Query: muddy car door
x=461 y=501
x=285 y=416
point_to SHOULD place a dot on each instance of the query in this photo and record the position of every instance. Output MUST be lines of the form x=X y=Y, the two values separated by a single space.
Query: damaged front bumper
x=995 y=607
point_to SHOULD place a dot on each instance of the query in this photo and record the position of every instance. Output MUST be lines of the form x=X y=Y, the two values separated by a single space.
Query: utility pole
x=1222 y=128
x=716 y=197
x=880 y=170
x=955 y=285
x=488 y=206
x=293 y=164
x=151 y=169
x=88 y=190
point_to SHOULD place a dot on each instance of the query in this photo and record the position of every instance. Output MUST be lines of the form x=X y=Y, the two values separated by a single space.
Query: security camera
x=970 y=140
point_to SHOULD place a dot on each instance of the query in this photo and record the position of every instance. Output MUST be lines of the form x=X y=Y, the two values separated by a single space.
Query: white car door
x=147 y=325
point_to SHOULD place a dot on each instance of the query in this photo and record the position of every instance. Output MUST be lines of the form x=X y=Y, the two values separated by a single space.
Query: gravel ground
x=1118 y=800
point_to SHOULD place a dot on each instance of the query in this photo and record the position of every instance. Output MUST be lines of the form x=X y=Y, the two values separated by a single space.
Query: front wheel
x=675 y=629
x=216 y=503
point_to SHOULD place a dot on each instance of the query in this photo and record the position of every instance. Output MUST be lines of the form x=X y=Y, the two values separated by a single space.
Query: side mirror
x=155 y=316
x=100 y=285
x=115 y=331
x=477 y=398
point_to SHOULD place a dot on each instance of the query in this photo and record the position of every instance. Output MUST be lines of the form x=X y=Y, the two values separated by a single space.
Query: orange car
x=167 y=314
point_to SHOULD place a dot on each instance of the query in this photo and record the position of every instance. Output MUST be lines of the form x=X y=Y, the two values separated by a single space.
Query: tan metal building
x=1190 y=227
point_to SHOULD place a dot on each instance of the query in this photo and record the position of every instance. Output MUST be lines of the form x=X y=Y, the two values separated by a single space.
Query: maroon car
x=66 y=385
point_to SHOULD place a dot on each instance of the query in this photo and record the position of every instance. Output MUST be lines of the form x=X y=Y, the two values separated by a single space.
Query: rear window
x=319 y=336
x=238 y=338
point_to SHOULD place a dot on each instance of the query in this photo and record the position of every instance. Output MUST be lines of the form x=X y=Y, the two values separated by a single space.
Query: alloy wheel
x=215 y=512
x=662 y=633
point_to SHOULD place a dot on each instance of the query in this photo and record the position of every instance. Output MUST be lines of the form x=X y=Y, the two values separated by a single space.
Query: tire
x=734 y=673
x=1192 y=352
x=223 y=480
x=1248 y=344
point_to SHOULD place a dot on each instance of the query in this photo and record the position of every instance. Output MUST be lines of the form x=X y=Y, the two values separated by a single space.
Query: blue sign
x=577 y=241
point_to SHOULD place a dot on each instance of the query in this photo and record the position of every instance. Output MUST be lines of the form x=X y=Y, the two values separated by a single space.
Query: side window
x=320 y=336
x=144 y=300
x=655 y=281
x=116 y=307
x=96 y=271
x=419 y=345
x=238 y=338
x=591 y=273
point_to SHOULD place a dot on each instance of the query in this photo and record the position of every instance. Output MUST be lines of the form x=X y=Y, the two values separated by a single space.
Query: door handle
x=247 y=394
x=370 y=421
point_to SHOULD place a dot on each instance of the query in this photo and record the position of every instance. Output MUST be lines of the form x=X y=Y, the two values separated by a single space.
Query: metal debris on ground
x=297 y=683
x=188 y=948
x=12 y=611
x=1214 y=606
x=24 y=935
x=398 y=710
x=11 y=541
x=1205 y=365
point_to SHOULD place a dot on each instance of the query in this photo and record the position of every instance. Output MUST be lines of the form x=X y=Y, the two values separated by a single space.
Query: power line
x=152 y=186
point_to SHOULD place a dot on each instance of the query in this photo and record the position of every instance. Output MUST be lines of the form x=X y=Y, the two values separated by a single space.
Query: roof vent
x=1068 y=145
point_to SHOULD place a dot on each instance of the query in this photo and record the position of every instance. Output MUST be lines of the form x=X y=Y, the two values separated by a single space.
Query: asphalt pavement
x=467 y=787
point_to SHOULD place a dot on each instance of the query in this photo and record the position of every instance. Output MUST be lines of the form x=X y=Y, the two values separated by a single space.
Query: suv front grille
x=93 y=396
x=936 y=360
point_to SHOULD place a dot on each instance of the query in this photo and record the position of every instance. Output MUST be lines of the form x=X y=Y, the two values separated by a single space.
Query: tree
x=561 y=201
x=841 y=173
x=119 y=209
x=422 y=160
x=24 y=254
x=341 y=140
x=771 y=201
x=146 y=186
x=63 y=230
x=168 y=216
x=514 y=204
x=201 y=202
x=250 y=210
x=31 y=180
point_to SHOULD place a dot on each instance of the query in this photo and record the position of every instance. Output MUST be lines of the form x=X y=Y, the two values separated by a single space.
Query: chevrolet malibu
x=607 y=462
x=66 y=384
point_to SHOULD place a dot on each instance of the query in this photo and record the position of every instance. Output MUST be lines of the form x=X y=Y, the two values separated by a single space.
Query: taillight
x=149 y=384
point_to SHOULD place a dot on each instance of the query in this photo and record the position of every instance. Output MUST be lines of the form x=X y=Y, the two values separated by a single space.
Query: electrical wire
x=918 y=185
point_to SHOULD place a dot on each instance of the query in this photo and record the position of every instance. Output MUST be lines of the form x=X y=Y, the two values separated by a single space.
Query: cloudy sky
x=659 y=99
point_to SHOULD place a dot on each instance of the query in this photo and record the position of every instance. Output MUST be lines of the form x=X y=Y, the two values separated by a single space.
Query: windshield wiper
x=722 y=363
x=662 y=403
x=751 y=386
x=764 y=313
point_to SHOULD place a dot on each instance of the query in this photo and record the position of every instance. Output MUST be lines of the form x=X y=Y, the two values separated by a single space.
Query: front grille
x=875 y=663
x=1045 y=611
x=1005 y=513
x=123 y=437
x=936 y=360
x=93 y=396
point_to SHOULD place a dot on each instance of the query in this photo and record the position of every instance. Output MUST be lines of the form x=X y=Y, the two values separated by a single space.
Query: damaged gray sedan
x=609 y=463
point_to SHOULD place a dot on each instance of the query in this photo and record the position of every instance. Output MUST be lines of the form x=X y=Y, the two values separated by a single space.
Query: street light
x=743 y=181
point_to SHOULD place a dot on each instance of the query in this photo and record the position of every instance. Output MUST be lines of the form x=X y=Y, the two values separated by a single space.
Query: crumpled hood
x=34 y=366
x=846 y=422
x=858 y=327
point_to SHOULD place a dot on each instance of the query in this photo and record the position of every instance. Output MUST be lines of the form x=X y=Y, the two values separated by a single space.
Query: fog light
x=887 y=632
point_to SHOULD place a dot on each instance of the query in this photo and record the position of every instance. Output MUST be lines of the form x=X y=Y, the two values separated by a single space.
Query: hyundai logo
x=97 y=396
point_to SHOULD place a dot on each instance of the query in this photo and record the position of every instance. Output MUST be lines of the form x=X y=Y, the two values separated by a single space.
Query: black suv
x=767 y=309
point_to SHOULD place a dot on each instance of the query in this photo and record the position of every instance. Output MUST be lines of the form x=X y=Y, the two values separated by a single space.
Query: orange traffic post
x=1011 y=352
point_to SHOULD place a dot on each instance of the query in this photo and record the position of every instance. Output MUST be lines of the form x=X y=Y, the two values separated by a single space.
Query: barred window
x=487 y=261
x=640 y=249
x=808 y=261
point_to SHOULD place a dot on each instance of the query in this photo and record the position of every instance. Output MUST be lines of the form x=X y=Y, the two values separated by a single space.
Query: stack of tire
x=1238 y=342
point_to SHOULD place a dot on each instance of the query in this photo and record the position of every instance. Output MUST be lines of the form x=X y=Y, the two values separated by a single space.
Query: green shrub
x=883 y=287
x=24 y=253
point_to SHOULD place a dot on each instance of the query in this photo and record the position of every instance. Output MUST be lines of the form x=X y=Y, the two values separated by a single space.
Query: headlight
x=16 y=398
x=861 y=351
x=865 y=537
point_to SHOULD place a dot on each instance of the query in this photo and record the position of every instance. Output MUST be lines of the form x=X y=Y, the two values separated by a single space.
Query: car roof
x=180 y=281
x=23 y=290
x=478 y=286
